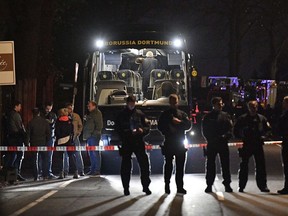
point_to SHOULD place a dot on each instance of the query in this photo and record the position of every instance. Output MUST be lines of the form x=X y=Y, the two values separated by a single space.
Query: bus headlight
x=177 y=43
x=99 y=43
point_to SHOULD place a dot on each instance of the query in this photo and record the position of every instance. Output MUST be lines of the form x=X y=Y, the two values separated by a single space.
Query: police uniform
x=127 y=126
x=174 y=145
x=252 y=130
x=217 y=129
x=283 y=132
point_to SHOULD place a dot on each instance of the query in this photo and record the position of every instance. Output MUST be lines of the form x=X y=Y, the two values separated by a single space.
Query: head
x=91 y=106
x=217 y=103
x=63 y=112
x=149 y=54
x=285 y=103
x=17 y=106
x=69 y=107
x=130 y=102
x=36 y=112
x=48 y=107
x=173 y=101
x=252 y=107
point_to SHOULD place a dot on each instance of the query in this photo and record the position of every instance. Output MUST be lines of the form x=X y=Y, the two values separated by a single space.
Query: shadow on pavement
x=155 y=207
x=176 y=205
x=122 y=206
x=88 y=208
x=258 y=203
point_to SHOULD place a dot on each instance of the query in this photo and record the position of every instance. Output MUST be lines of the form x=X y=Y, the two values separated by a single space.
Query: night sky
x=206 y=24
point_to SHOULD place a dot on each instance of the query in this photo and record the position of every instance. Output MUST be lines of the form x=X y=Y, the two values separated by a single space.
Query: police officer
x=132 y=126
x=173 y=123
x=283 y=132
x=217 y=130
x=252 y=128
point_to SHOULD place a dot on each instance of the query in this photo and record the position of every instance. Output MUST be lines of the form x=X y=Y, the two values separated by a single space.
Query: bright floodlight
x=177 y=42
x=99 y=43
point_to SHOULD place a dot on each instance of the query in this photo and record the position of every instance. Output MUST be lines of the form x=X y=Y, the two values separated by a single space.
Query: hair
x=285 y=99
x=16 y=103
x=63 y=112
x=215 y=100
x=48 y=103
x=252 y=102
x=172 y=97
x=35 y=111
x=149 y=54
x=93 y=103
x=131 y=98
x=68 y=104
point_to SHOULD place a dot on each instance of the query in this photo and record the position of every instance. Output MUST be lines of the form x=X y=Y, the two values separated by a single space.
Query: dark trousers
x=258 y=154
x=13 y=159
x=223 y=152
x=72 y=156
x=126 y=166
x=285 y=162
x=180 y=158
x=44 y=164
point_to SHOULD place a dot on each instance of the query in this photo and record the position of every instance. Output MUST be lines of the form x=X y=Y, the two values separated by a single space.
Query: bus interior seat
x=105 y=75
x=106 y=88
x=177 y=74
x=165 y=89
x=157 y=74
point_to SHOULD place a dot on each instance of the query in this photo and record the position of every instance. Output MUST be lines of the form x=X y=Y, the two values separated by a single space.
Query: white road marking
x=41 y=199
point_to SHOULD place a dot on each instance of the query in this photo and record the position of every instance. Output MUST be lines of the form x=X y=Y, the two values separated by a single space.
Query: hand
x=176 y=120
x=140 y=130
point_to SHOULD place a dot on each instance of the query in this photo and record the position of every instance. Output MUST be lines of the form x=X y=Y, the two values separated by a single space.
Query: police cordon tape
x=108 y=148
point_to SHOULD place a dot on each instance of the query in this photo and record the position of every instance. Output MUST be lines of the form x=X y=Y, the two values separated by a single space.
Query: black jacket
x=129 y=120
x=64 y=128
x=174 y=134
x=283 y=126
x=217 y=127
x=39 y=131
x=252 y=129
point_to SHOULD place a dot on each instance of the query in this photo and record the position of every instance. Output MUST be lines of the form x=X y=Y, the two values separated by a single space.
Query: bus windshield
x=149 y=74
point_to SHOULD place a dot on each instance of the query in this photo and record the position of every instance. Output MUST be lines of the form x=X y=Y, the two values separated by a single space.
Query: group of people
x=48 y=129
x=217 y=128
x=131 y=125
x=252 y=128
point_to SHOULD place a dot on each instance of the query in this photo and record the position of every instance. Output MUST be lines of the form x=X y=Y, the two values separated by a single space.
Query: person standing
x=132 y=126
x=252 y=128
x=217 y=130
x=283 y=132
x=64 y=137
x=78 y=126
x=148 y=64
x=92 y=133
x=51 y=118
x=173 y=123
x=17 y=136
x=39 y=133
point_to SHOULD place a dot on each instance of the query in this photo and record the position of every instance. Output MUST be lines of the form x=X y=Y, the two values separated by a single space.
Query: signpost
x=7 y=63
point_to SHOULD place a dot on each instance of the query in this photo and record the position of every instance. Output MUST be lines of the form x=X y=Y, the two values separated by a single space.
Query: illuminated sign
x=7 y=63
x=138 y=42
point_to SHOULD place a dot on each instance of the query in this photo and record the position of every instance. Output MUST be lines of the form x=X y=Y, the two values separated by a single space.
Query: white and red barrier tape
x=106 y=148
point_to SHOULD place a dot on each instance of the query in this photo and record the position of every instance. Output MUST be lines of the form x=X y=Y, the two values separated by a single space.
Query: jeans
x=50 y=156
x=79 y=159
x=14 y=159
x=36 y=167
x=95 y=157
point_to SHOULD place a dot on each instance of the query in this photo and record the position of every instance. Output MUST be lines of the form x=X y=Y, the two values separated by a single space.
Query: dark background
x=244 y=38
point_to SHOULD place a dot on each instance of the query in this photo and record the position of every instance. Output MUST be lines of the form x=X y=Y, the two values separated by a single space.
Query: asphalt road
x=104 y=195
